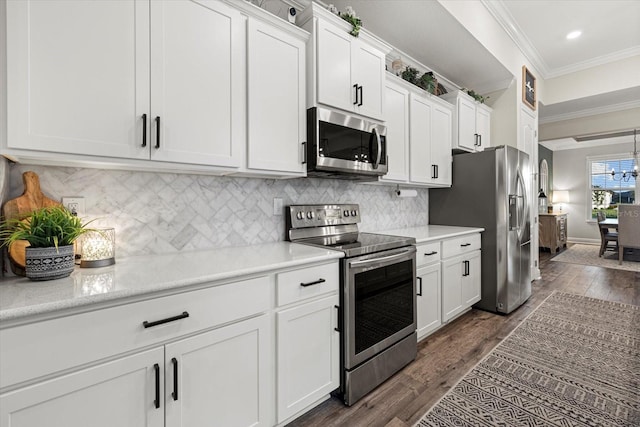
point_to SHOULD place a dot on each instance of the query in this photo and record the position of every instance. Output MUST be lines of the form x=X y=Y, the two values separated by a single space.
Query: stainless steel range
x=377 y=293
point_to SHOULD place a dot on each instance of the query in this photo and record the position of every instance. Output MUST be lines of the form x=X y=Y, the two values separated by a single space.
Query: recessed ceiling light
x=574 y=34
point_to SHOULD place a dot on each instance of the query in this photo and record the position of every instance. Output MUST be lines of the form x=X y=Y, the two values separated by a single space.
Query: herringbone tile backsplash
x=164 y=212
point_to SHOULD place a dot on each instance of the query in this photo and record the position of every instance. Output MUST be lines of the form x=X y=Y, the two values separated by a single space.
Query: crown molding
x=594 y=62
x=502 y=15
x=590 y=112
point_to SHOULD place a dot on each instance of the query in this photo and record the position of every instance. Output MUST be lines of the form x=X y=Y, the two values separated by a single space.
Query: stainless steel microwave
x=344 y=146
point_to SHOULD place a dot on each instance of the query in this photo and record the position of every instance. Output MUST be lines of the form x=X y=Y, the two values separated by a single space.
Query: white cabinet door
x=441 y=126
x=483 y=127
x=118 y=393
x=452 y=271
x=367 y=72
x=471 y=281
x=397 y=115
x=466 y=124
x=428 y=299
x=78 y=76
x=276 y=99
x=334 y=67
x=221 y=377
x=197 y=82
x=307 y=354
x=420 y=166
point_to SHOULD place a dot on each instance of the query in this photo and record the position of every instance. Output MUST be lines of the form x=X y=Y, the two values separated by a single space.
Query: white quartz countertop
x=146 y=276
x=430 y=233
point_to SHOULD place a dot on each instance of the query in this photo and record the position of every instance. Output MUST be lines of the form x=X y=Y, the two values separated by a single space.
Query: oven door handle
x=382 y=258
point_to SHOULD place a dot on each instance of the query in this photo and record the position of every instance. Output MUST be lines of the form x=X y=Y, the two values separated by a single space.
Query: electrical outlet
x=75 y=205
x=277 y=206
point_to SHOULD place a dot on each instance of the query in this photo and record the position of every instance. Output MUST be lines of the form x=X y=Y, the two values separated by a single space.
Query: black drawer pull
x=355 y=88
x=156 y=401
x=157 y=132
x=174 y=361
x=167 y=320
x=313 y=283
x=419 y=293
x=430 y=253
x=464 y=245
x=337 y=307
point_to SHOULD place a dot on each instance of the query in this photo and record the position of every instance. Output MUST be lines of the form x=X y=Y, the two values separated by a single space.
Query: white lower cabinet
x=220 y=377
x=116 y=393
x=460 y=284
x=206 y=357
x=308 y=354
x=428 y=303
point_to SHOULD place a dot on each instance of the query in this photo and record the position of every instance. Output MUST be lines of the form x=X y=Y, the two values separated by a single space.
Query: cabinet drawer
x=427 y=254
x=460 y=245
x=297 y=285
x=87 y=337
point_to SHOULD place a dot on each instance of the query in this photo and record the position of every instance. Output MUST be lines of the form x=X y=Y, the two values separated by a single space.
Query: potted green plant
x=50 y=232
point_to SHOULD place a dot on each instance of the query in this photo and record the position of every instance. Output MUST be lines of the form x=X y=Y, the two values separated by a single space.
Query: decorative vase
x=49 y=263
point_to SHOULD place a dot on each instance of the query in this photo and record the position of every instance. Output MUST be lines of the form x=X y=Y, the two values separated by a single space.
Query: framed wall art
x=528 y=88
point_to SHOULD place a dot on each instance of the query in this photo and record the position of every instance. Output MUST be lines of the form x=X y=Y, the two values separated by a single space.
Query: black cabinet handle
x=355 y=88
x=434 y=171
x=337 y=307
x=167 y=320
x=304 y=155
x=174 y=361
x=144 y=130
x=437 y=171
x=466 y=268
x=479 y=140
x=430 y=253
x=419 y=293
x=361 y=97
x=156 y=402
x=475 y=139
x=312 y=283
x=157 y=132
x=464 y=245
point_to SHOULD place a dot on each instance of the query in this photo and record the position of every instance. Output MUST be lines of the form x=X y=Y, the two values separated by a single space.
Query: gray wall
x=165 y=213
x=570 y=173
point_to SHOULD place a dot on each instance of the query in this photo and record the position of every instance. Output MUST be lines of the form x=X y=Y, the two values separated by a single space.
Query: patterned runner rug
x=575 y=361
x=588 y=255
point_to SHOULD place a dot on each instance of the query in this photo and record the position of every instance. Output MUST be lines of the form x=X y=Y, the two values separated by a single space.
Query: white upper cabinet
x=128 y=79
x=430 y=123
x=397 y=138
x=345 y=72
x=276 y=98
x=472 y=122
x=78 y=76
x=197 y=80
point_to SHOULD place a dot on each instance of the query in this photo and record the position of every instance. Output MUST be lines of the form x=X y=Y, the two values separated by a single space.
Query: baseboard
x=583 y=241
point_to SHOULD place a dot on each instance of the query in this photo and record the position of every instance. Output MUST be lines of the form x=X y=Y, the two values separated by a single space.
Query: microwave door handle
x=377 y=162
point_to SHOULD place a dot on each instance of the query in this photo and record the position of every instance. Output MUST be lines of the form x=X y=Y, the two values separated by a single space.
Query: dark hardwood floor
x=444 y=357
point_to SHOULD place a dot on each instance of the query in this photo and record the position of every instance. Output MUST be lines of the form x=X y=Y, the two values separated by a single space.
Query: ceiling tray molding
x=601 y=60
x=499 y=11
x=590 y=112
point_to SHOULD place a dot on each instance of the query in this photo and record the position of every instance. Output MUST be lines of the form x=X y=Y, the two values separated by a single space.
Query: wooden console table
x=553 y=231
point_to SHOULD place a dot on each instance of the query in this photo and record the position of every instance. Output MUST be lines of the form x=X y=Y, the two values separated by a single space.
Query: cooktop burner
x=335 y=227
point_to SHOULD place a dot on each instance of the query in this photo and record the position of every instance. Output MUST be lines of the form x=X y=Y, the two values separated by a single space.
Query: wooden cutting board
x=32 y=198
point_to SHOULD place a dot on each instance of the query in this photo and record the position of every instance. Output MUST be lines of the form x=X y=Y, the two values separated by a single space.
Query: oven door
x=379 y=302
x=343 y=144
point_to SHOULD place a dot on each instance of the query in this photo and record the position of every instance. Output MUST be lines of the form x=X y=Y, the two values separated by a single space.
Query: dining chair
x=606 y=235
x=628 y=228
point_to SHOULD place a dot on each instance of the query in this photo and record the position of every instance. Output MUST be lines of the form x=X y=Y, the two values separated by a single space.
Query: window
x=606 y=190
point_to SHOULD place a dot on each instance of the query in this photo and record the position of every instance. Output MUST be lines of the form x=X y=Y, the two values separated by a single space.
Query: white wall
x=570 y=173
x=600 y=123
x=618 y=75
x=503 y=116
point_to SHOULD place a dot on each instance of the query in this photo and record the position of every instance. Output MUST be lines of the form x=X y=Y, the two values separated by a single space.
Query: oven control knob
x=300 y=215
x=354 y=213
x=346 y=213
x=310 y=215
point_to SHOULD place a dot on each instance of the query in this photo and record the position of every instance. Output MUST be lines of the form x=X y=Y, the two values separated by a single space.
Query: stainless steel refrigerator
x=491 y=189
